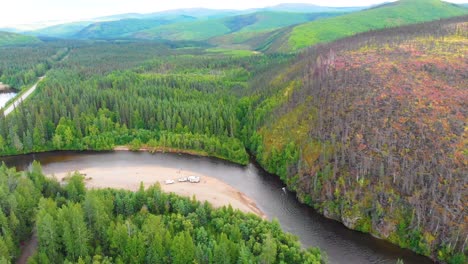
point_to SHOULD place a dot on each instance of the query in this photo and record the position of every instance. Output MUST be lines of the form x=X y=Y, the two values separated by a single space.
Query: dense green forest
x=174 y=100
x=148 y=226
x=21 y=65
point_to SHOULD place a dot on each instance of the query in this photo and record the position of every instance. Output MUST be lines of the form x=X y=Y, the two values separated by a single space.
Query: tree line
x=74 y=225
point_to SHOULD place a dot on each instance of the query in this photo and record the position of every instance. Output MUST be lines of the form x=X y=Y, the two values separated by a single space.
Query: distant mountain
x=245 y=25
x=194 y=30
x=10 y=29
x=117 y=26
x=61 y=31
x=267 y=25
x=123 y=28
x=387 y=15
x=9 y=39
x=192 y=12
x=198 y=13
x=67 y=30
x=118 y=17
x=309 y=8
x=107 y=26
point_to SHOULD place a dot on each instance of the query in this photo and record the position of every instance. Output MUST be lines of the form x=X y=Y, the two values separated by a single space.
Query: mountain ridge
x=73 y=28
x=207 y=29
x=387 y=15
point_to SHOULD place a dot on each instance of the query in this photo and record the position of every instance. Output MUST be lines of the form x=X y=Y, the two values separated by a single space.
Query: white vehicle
x=182 y=179
x=194 y=179
x=169 y=181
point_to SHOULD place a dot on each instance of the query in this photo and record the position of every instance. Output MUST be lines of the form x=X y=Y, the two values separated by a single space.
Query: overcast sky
x=14 y=12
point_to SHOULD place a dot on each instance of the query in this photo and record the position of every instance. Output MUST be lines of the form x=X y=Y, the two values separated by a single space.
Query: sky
x=17 y=12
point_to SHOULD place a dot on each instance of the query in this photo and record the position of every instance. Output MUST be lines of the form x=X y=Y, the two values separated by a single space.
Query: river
x=340 y=244
x=5 y=97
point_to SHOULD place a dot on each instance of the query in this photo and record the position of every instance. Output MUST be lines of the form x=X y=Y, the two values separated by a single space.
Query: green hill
x=387 y=15
x=249 y=23
x=196 y=30
x=267 y=25
x=121 y=28
x=262 y=21
x=310 y=8
x=10 y=39
x=62 y=30
x=124 y=25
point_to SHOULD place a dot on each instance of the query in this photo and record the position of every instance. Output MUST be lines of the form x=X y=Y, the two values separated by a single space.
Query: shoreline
x=164 y=150
x=160 y=149
x=121 y=148
x=212 y=190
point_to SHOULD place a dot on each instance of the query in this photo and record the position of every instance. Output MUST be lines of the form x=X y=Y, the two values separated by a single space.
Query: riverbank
x=167 y=150
x=160 y=149
x=152 y=150
x=209 y=189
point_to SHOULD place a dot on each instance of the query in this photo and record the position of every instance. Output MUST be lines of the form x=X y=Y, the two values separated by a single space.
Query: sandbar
x=209 y=189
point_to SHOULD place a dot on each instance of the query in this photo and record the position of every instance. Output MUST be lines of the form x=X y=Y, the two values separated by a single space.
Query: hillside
x=388 y=15
x=118 y=26
x=196 y=30
x=309 y=8
x=206 y=29
x=262 y=21
x=11 y=39
x=371 y=131
x=61 y=31
x=122 y=28
x=199 y=13
x=108 y=27
x=264 y=26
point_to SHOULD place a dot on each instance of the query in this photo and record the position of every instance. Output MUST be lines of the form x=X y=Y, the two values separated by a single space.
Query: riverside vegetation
x=369 y=130
x=148 y=226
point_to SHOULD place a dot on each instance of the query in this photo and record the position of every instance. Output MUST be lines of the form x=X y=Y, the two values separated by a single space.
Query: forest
x=74 y=225
x=34 y=61
x=97 y=100
x=369 y=130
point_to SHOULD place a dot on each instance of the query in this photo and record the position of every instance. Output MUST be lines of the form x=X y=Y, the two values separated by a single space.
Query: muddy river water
x=340 y=244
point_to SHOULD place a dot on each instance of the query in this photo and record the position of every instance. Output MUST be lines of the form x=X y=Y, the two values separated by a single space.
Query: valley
x=357 y=113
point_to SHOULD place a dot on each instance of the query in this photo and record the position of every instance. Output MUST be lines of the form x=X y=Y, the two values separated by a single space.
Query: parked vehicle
x=194 y=179
x=169 y=181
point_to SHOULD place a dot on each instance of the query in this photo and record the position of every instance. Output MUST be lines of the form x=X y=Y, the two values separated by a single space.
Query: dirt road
x=22 y=97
